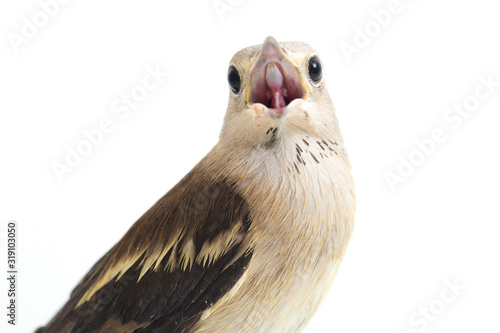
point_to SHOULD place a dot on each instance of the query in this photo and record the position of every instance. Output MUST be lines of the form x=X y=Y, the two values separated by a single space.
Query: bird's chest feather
x=301 y=205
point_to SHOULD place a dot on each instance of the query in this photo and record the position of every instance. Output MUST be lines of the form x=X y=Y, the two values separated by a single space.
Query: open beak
x=275 y=81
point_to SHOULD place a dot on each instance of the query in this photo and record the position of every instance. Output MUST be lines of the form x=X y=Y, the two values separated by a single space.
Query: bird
x=250 y=240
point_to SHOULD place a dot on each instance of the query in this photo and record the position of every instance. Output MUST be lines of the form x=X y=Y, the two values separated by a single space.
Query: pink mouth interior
x=275 y=87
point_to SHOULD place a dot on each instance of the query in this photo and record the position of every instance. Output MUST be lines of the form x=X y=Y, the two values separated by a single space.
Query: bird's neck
x=309 y=175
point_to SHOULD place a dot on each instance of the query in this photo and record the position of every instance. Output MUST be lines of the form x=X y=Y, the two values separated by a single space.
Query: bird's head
x=276 y=86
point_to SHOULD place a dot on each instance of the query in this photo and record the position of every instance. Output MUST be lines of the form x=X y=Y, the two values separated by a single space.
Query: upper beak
x=274 y=80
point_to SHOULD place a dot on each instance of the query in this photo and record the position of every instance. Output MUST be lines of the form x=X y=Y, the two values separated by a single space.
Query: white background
x=440 y=224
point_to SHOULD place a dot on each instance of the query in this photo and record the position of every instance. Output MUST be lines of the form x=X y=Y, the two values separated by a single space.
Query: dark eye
x=233 y=78
x=315 y=70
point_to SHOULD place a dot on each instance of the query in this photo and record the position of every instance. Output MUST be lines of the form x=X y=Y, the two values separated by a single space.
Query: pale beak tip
x=271 y=48
x=270 y=40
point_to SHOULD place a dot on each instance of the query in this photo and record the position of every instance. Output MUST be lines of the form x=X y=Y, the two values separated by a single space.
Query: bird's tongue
x=274 y=80
x=276 y=86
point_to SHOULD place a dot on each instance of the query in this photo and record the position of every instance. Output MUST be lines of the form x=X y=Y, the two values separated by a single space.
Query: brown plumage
x=251 y=239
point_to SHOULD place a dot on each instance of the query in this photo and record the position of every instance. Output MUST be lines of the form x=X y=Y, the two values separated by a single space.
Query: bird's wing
x=176 y=261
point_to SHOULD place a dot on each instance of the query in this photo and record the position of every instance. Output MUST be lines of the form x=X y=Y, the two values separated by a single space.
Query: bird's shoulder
x=176 y=261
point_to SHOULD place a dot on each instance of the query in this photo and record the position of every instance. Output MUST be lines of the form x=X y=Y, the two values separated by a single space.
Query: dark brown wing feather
x=171 y=293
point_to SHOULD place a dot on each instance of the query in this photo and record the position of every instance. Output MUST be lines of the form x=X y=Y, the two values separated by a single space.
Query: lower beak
x=275 y=81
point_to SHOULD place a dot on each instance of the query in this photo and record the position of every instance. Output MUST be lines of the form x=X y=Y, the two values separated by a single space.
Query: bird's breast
x=301 y=224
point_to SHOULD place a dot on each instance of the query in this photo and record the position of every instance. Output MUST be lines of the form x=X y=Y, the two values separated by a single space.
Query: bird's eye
x=233 y=78
x=315 y=70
